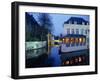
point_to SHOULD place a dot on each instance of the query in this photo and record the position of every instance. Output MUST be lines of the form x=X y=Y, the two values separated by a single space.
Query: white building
x=76 y=26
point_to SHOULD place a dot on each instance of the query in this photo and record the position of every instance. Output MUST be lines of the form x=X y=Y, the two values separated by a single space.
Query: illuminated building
x=76 y=35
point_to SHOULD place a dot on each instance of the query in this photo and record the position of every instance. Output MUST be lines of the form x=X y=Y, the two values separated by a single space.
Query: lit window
x=72 y=41
x=84 y=41
x=79 y=59
x=67 y=62
x=67 y=40
x=77 y=41
x=76 y=60
x=63 y=40
x=71 y=61
x=80 y=40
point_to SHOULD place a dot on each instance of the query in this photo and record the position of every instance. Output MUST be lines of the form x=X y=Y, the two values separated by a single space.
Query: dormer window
x=70 y=22
x=75 y=22
x=87 y=23
x=83 y=23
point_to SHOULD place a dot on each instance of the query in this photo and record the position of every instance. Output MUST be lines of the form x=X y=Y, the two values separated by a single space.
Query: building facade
x=76 y=34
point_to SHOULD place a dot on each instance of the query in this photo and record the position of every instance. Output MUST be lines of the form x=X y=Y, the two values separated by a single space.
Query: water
x=53 y=58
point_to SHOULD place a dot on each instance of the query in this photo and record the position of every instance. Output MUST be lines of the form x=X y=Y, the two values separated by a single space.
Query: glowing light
x=83 y=40
x=72 y=40
x=80 y=39
x=67 y=40
x=80 y=59
x=67 y=62
x=63 y=39
x=76 y=40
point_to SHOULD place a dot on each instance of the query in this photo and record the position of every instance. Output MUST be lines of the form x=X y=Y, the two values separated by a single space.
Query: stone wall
x=73 y=48
x=34 y=45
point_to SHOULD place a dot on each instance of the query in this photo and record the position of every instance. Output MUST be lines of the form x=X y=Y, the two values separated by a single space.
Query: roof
x=31 y=19
x=77 y=20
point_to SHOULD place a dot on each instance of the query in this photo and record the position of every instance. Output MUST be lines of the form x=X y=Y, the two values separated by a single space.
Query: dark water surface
x=41 y=58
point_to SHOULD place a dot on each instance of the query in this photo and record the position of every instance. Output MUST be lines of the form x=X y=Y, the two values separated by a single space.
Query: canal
x=42 y=58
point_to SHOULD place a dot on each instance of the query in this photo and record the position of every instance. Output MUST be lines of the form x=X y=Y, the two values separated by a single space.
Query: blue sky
x=59 y=19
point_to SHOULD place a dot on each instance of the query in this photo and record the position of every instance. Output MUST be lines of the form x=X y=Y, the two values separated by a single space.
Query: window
x=76 y=41
x=80 y=41
x=82 y=31
x=85 y=31
x=72 y=31
x=63 y=40
x=87 y=23
x=72 y=41
x=83 y=23
x=75 y=22
x=77 y=31
x=70 y=22
x=84 y=41
x=68 y=31
x=88 y=30
x=67 y=42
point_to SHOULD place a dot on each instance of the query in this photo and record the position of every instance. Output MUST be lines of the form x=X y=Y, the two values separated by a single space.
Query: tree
x=46 y=24
x=45 y=21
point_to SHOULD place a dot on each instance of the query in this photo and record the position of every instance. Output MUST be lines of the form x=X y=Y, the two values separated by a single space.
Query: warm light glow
x=67 y=62
x=83 y=40
x=63 y=40
x=67 y=40
x=72 y=40
x=80 y=39
x=80 y=59
x=76 y=40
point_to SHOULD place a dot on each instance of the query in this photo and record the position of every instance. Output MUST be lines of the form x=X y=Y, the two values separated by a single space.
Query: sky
x=58 y=20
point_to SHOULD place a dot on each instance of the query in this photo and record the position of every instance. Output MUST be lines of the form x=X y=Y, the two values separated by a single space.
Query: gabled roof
x=31 y=19
x=76 y=20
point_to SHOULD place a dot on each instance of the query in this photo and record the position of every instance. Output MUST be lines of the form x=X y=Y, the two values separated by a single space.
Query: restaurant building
x=76 y=35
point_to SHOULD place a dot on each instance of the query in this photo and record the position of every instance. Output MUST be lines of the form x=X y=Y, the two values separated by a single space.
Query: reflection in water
x=35 y=53
x=76 y=58
x=42 y=58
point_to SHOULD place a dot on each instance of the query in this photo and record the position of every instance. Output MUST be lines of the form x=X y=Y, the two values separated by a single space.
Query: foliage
x=35 y=31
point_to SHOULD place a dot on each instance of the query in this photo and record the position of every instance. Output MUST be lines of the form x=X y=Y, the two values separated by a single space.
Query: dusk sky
x=58 y=20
